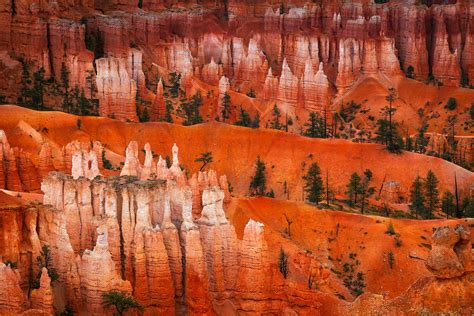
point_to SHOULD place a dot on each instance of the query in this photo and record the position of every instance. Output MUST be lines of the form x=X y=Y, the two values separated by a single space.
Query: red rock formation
x=98 y=275
x=10 y=177
x=445 y=66
x=116 y=89
x=349 y=64
x=158 y=107
x=42 y=298
x=45 y=160
x=29 y=176
x=132 y=164
x=315 y=88
x=450 y=256
x=409 y=27
x=288 y=89
x=196 y=285
x=12 y=298
x=67 y=42
x=254 y=283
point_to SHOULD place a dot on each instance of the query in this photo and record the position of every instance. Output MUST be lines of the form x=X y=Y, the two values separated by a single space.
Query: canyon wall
x=336 y=45
x=151 y=233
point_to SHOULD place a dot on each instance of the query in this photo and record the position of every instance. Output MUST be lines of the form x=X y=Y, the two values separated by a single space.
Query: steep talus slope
x=235 y=149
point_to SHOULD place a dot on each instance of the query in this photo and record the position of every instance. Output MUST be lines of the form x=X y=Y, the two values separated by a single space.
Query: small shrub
x=122 y=301
x=391 y=259
x=311 y=281
x=410 y=73
x=390 y=230
x=283 y=263
x=78 y=124
x=12 y=264
x=398 y=241
x=451 y=104
x=107 y=164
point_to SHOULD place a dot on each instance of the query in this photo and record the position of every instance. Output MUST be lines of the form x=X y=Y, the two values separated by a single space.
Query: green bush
x=451 y=104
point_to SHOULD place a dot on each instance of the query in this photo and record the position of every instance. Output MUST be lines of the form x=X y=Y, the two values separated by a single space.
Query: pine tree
x=447 y=204
x=256 y=121
x=275 y=124
x=244 y=118
x=365 y=189
x=315 y=126
x=314 y=184
x=121 y=301
x=196 y=104
x=85 y=105
x=65 y=83
x=226 y=106
x=37 y=92
x=353 y=188
x=175 y=81
x=417 y=197
x=258 y=183
x=206 y=158
x=421 y=141
x=169 y=109
x=387 y=128
x=431 y=193
x=25 y=82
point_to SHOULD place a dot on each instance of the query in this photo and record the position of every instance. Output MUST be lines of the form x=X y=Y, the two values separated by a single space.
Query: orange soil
x=314 y=230
x=235 y=150
x=412 y=96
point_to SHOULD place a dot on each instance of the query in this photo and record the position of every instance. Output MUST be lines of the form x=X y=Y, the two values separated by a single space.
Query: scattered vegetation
x=107 y=164
x=354 y=280
x=121 y=301
x=314 y=184
x=283 y=263
x=451 y=104
x=390 y=230
x=316 y=127
x=391 y=259
x=206 y=158
x=44 y=260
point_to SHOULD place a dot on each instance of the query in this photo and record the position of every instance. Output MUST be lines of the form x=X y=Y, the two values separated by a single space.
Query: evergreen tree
x=65 y=83
x=387 y=128
x=190 y=109
x=353 y=188
x=417 y=197
x=256 y=121
x=206 y=158
x=365 y=189
x=408 y=143
x=25 y=84
x=175 y=81
x=258 y=183
x=314 y=184
x=226 y=106
x=91 y=83
x=85 y=105
x=37 y=92
x=468 y=207
x=196 y=104
x=275 y=124
x=447 y=204
x=315 y=126
x=169 y=109
x=421 y=141
x=431 y=193
x=244 y=118
x=251 y=93
x=121 y=301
